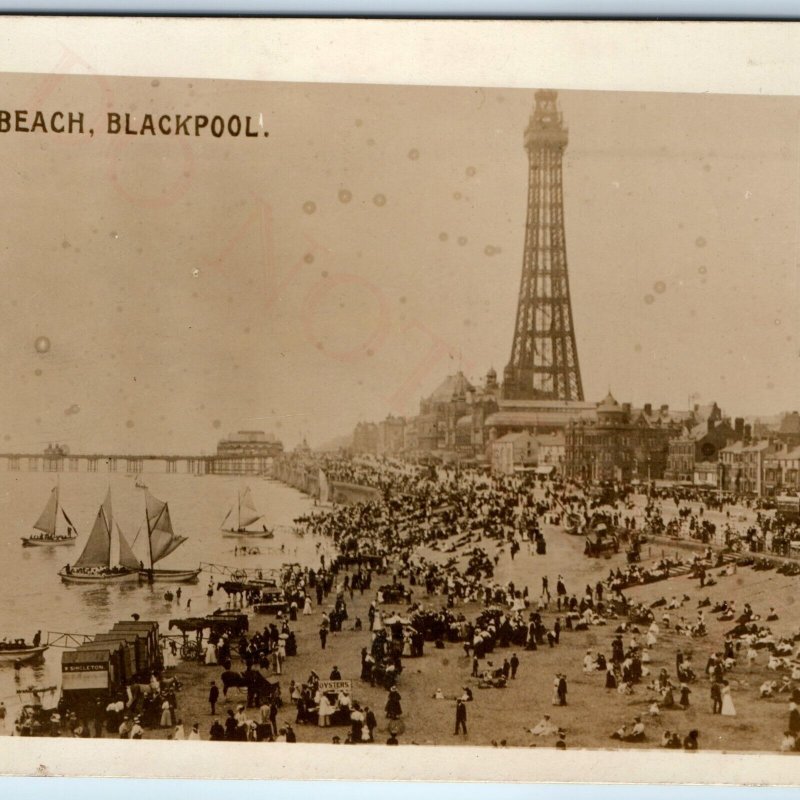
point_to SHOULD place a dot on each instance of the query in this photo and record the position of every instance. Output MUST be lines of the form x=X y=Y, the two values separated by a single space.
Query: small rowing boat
x=20 y=651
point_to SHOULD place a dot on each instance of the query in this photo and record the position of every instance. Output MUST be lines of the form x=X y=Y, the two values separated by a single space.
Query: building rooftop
x=451 y=386
x=532 y=419
x=741 y=447
x=790 y=424
x=249 y=436
x=609 y=402
x=514 y=437
x=548 y=406
x=792 y=454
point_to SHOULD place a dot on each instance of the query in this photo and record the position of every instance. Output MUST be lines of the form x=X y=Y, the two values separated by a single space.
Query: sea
x=33 y=597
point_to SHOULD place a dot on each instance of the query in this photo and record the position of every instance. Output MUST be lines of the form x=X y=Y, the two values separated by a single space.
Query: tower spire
x=544 y=355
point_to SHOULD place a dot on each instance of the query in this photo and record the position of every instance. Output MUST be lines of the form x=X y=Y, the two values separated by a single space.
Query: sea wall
x=306 y=479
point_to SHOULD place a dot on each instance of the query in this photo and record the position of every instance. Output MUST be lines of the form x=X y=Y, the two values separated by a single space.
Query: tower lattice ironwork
x=544 y=356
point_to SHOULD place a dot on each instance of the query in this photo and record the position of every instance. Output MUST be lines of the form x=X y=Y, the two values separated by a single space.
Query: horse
x=233 y=679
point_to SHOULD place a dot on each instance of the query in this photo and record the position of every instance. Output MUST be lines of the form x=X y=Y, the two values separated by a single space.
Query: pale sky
x=339 y=269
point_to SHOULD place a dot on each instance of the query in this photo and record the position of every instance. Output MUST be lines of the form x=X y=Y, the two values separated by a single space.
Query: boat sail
x=139 y=483
x=94 y=563
x=324 y=488
x=162 y=540
x=246 y=515
x=47 y=524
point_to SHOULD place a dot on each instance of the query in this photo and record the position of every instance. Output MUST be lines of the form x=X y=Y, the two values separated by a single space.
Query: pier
x=133 y=464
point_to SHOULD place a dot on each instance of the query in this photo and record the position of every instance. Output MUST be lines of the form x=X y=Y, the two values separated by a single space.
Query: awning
x=546 y=470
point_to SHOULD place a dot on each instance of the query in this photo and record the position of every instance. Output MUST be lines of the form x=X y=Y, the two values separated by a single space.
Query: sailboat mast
x=149 y=532
x=239 y=507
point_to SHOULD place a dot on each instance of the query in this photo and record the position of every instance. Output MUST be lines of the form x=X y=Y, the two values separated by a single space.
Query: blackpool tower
x=544 y=357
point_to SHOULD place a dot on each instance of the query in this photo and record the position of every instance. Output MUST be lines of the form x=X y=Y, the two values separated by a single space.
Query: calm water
x=32 y=596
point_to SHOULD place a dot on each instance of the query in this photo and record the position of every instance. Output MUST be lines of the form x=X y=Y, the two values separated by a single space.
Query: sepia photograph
x=368 y=415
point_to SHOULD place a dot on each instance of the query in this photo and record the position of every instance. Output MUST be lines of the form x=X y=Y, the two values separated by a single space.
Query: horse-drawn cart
x=221 y=621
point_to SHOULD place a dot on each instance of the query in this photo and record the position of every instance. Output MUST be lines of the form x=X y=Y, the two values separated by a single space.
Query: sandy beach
x=498 y=715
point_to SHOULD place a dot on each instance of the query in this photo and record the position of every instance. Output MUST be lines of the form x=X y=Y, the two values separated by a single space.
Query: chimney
x=626 y=407
x=739 y=427
x=648 y=409
x=664 y=408
x=696 y=407
x=709 y=424
x=748 y=432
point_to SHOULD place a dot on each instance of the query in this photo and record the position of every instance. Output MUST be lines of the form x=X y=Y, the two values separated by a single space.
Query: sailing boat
x=246 y=514
x=162 y=541
x=94 y=563
x=139 y=483
x=46 y=523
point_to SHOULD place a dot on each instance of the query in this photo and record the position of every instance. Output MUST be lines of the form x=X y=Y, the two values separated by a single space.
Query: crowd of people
x=424 y=558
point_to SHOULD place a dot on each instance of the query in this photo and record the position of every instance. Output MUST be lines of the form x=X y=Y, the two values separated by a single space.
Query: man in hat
x=370 y=723
x=716 y=697
x=461 y=717
x=562 y=689
x=213 y=697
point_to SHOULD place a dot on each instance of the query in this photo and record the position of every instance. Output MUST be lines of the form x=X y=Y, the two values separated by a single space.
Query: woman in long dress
x=377 y=621
x=210 y=655
x=325 y=711
x=170 y=661
x=611 y=679
x=393 y=707
x=166 y=714
x=307 y=607
x=728 y=709
x=556 y=700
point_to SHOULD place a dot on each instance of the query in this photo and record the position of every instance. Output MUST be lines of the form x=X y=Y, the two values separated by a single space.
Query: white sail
x=163 y=539
x=97 y=552
x=47 y=520
x=126 y=557
x=248 y=513
x=71 y=529
x=230 y=511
